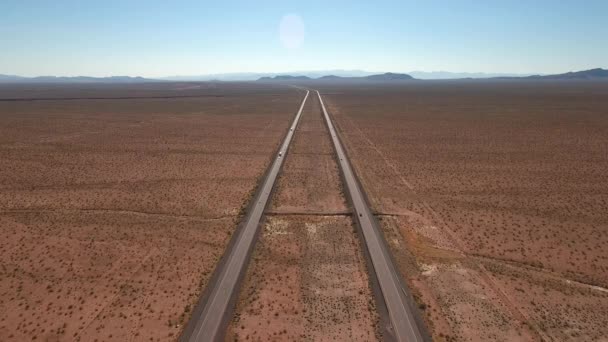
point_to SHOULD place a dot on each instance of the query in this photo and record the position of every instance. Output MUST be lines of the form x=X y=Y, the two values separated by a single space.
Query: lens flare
x=291 y=31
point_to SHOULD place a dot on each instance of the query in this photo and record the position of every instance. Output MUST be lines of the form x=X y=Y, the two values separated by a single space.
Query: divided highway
x=215 y=309
x=209 y=320
x=394 y=292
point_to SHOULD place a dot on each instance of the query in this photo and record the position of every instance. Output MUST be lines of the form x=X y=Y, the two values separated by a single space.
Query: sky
x=166 y=38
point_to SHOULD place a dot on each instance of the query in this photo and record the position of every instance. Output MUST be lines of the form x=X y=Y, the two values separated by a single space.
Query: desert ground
x=494 y=199
x=308 y=278
x=116 y=201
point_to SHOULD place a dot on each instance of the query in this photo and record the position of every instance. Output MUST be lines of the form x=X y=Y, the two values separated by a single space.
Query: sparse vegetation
x=474 y=175
x=114 y=212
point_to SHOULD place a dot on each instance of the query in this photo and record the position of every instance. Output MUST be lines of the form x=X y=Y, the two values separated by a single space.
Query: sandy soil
x=493 y=199
x=113 y=213
x=307 y=280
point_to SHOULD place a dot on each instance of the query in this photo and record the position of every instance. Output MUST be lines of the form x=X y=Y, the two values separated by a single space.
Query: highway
x=210 y=318
x=394 y=293
x=396 y=306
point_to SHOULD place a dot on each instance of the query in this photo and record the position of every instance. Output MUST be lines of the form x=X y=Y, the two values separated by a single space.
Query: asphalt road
x=395 y=294
x=209 y=324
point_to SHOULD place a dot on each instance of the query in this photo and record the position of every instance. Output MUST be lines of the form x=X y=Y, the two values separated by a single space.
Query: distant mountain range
x=592 y=74
x=389 y=76
x=285 y=78
x=447 y=75
x=76 y=79
x=252 y=76
x=331 y=75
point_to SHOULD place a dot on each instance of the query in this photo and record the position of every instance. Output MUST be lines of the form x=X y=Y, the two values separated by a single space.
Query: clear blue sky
x=160 y=38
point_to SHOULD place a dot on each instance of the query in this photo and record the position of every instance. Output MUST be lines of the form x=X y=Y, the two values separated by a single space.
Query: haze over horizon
x=160 y=39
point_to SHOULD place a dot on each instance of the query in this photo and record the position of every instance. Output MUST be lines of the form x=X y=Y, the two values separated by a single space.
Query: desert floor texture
x=117 y=201
x=493 y=197
x=114 y=211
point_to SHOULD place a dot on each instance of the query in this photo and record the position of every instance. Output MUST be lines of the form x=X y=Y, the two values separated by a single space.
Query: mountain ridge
x=388 y=76
x=252 y=76
x=590 y=74
x=74 y=79
x=597 y=74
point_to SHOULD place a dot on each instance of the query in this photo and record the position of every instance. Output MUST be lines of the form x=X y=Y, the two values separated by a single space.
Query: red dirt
x=494 y=198
x=113 y=213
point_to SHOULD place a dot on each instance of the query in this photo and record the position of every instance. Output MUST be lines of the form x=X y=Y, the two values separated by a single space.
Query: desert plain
x=494 y=199
x=117 y=201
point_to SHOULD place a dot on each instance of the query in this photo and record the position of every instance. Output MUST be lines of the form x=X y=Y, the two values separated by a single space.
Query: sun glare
x=291 y=31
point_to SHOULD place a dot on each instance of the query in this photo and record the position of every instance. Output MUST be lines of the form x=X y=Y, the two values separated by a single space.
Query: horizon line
x=324 y=72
